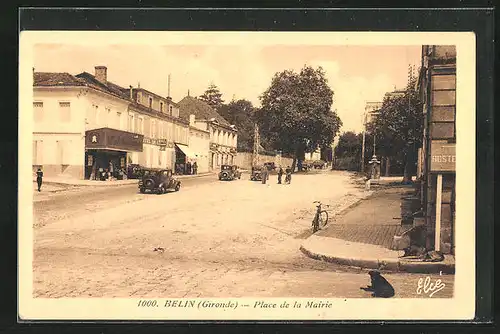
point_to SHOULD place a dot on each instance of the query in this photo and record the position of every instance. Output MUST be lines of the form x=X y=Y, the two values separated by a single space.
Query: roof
x=136 y=89
x=56 y=79
x=193 y=106
x=109 y=88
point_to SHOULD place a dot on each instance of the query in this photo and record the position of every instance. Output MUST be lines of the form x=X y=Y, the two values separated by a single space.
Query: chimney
x=188 y=92
x=192 y=119
x=131 y=92
x=101 y=74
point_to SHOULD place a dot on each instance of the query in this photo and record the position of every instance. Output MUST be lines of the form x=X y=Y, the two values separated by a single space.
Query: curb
x=110 y=183
x=391 y=265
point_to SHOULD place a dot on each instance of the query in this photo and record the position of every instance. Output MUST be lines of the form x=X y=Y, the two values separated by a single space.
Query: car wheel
x=177 y=187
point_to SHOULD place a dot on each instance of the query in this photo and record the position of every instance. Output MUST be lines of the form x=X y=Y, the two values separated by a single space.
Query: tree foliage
x=241 y=113
x=296 y=115
x=212 y=96
x=398 y=128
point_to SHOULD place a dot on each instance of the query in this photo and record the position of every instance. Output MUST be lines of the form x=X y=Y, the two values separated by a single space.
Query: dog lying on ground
x=379 y=287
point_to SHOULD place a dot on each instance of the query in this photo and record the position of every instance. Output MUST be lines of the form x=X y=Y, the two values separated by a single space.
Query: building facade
x=437 y=87
x=85 y=124
x=223 y=136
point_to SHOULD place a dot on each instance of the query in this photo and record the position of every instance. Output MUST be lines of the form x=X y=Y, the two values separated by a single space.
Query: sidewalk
x=61 y=183
x=362 y=236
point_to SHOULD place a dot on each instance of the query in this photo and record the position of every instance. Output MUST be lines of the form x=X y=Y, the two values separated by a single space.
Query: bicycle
x=320 y=218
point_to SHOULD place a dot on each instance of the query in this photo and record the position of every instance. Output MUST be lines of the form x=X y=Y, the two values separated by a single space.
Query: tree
x=348 y=150
x=296 y=115
x=241 y=113
x=399 y=128
x=213 y=97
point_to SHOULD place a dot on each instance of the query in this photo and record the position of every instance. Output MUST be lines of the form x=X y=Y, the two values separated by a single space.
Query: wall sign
x=443 y=156
x=106 y=138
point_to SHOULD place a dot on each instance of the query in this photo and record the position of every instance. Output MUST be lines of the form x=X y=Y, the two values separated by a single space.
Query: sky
x=356 y=74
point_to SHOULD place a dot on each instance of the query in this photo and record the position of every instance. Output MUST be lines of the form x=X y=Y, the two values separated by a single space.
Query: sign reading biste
x=443 y=156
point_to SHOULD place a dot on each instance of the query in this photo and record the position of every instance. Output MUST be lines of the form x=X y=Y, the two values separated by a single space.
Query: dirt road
x=213 y=239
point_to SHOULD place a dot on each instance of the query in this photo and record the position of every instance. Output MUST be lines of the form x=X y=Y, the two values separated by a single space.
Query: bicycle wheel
x=323 y=219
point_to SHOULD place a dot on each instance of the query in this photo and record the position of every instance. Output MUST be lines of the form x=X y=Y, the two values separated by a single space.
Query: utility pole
x=362 y=164
x=256 y=145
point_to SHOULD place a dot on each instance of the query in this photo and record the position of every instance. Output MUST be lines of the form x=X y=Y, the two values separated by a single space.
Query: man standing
x=288 y=175
x=264 y=175
x=280 y=174
x=195 y=168
x=39 y=176
x=188 y=168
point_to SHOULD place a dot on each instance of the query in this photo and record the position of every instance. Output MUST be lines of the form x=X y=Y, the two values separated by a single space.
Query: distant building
x=223 y=135
x=371 y=112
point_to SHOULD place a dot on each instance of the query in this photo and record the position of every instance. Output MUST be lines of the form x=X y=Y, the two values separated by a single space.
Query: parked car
x=134 y=171
x=257 y=173
x=237 y=172
x=228 y=173
x=319 y=164
x=270 y=166
x=158 y=181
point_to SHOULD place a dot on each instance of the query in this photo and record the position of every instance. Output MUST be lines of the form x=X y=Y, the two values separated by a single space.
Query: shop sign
x=154 y=141
x=105 y=138
x=443 y=156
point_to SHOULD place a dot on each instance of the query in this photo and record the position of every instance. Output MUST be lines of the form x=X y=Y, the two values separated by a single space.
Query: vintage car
x=228 y=173
x=158 y=181
x=257 y=173
x=271 y=166
x=319 y=164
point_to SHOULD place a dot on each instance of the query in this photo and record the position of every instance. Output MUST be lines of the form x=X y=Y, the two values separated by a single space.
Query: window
x=140 y=125
x=118 y=120
x=151 y=103
x=60 y=152
x=130 y=122
x=38 y=111
x=161 y=106
x=161 y=125
x=170 y=110
x=153 y=128
x=65 y=112
x=37 y=152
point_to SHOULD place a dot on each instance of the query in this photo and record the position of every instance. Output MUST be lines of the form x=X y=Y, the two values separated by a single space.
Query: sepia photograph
x=216 y=175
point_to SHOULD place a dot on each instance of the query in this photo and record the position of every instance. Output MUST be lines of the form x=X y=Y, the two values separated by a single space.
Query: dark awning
x=111 y=139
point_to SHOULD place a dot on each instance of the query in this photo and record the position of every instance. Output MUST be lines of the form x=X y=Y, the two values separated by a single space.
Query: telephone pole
x=362 y=164
x=256 y=145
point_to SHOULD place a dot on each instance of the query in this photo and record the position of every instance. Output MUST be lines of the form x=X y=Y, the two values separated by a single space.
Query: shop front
x=185 y=158
x=106 y=153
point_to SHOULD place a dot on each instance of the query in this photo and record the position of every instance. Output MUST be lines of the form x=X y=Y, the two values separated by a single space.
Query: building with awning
x=223 y=136
x=107 y=148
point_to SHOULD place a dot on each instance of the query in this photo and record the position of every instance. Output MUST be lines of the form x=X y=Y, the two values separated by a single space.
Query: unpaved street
x=213 y=239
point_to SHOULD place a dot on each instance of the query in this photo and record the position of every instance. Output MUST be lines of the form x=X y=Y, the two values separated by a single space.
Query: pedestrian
x=39 y=176
x=264 y=175
x=195 y=168
x=288 y=172
x=280 y=174
x=188 y=168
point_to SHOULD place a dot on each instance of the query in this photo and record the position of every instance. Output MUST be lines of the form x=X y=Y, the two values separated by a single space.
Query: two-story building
x=223 y=136
x=85 y=124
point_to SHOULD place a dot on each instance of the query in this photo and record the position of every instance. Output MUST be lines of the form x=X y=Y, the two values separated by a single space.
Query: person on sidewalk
x=188 y=168
x=39 y=177
x=195 y=168
x=280 y=174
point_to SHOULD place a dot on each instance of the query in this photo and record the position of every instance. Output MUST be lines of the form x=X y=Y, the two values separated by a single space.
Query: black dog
x=380 y=286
